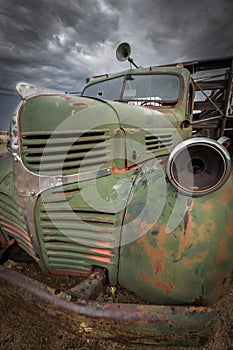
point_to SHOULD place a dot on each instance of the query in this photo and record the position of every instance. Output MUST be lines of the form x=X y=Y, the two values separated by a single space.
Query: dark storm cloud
x=58 y=43
x=182 y=30
x=43 y=37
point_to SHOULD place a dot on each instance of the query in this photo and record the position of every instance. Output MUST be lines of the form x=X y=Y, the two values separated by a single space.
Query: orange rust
x=230 y=227
x=183 y=243
x=142 y=225
x=186 y=231
x=203 y=234
x=226 y=195
x=132 y=248
x=189 y=263
x=13 y=229
x=145 y=277
x=101 y=251
x=115 y=170
x=127 y=216
x=219 y=286
x=164 y=286
x=157 y=254
x=70 y=272
x=104 y=259
x=223 y=253
x=158 y=284
x=9 y=230
x=79 y=104
x=158 y=264
x=200 y=309
x=118 y=133
x=103 y=244
x=208 y=204
x=224 y=248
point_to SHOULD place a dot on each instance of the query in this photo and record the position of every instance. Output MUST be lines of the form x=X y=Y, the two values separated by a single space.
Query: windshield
x=107 y=89
x=156 y=89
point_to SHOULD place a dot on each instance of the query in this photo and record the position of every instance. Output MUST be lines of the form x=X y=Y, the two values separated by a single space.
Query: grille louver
x=12 y=224
x=74 y=238
x=158 y=142
x=68 y=152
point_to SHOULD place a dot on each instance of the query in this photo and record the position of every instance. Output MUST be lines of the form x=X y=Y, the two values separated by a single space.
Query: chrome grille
x=65 y=152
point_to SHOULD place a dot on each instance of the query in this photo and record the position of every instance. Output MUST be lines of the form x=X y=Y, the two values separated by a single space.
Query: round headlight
x=198 y=166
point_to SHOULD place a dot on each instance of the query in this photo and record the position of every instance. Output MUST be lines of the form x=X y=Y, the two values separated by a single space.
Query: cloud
x=57 y=43
x=49 y=36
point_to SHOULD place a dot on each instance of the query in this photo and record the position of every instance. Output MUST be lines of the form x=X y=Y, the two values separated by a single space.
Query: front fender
x=177 y=250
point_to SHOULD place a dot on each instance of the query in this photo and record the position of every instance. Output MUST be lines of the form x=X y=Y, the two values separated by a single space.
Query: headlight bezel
x=212 y=148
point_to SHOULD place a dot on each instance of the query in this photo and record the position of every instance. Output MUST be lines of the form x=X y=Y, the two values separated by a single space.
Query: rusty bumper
x=131 y=323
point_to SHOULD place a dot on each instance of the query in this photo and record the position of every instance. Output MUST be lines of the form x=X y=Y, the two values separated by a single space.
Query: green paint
x=192 y=263
x=79 y=225
x=163 y=246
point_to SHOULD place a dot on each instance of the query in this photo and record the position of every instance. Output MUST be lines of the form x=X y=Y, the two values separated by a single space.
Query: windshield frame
x=165 y=103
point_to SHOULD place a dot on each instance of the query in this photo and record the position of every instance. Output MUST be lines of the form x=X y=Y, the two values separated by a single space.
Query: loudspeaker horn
x=123 y=52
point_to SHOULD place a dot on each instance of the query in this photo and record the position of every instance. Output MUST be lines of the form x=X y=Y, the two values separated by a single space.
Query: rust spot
x=161 y=285
x=145 y=277
x=107 y=252
x=134 y=130
x=224 y=280
x=200 y=309
x=136 y=324
x=230 y=227
x=205 y=229
x=158 y=264
x=186 y=220
x=201 y=300
x=16 y=231
x=223 y=252
x=189 y=263
x=115 y=170
x=104 y=259
x=66 y=98
x=118 y=133
x=143 y=225
x=227 y=195
x=186 y=230
x=79 y=104
x=158 y=284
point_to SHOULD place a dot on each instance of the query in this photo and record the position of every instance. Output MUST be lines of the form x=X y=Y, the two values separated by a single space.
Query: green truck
x=129 y=184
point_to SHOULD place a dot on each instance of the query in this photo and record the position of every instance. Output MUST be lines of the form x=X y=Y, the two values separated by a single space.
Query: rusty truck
x=129 y=184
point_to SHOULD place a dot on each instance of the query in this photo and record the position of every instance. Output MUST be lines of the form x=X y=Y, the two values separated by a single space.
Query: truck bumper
x=125 y=323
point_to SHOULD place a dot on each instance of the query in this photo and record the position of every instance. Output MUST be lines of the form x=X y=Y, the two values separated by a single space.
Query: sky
x=59 y=43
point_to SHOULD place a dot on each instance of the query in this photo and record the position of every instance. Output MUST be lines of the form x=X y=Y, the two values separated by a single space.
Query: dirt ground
x=20 y=330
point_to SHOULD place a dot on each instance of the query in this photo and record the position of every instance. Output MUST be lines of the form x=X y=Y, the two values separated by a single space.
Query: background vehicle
x=129 y=184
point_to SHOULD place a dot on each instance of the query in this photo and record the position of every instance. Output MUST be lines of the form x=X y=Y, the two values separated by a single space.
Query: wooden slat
x=211 y=85
x=207 y=105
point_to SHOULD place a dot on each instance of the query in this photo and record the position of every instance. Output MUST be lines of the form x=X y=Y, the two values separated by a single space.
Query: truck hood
x=143 y=117
x=51 y=120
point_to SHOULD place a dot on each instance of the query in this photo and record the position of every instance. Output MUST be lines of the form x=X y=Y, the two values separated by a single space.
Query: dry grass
x=20 y=330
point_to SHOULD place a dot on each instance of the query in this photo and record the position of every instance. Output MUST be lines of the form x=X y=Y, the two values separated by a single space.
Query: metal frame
x=125 y=323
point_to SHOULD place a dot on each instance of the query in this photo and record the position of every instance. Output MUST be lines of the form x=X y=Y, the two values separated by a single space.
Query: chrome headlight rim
x=183 y=147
